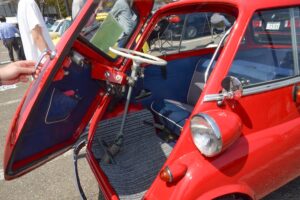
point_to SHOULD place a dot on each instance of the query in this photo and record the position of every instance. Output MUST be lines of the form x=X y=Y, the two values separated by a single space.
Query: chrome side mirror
x=232 y=88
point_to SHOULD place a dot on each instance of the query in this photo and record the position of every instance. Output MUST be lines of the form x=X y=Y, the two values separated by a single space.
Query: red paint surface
x=263 y=158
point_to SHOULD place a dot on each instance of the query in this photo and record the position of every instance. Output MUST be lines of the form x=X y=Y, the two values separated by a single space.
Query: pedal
x=155 y=125
x=107 y=156
x=143 y=94
x=165 y=134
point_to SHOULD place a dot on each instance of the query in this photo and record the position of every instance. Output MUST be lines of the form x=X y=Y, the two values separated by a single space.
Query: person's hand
x=18 y=72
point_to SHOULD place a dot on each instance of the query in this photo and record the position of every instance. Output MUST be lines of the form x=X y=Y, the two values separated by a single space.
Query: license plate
x=273 y=26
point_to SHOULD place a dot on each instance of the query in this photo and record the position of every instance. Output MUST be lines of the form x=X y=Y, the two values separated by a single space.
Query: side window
x=185 y=32
x=273 y=53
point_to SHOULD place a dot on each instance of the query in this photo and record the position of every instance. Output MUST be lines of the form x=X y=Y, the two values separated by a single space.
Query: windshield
x=111 y=25
x=64 y=26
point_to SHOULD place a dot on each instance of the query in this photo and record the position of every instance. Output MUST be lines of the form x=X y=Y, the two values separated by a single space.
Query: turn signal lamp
x=173 y=173
x=214 y=131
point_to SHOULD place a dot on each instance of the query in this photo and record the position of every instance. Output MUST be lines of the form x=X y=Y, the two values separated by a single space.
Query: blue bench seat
x=173 y=114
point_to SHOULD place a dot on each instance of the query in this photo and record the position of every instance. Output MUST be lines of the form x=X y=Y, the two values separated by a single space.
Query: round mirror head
x=233 y=86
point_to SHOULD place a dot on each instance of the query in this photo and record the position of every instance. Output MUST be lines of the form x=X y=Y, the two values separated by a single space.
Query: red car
x=213 y=117
x=275 y=27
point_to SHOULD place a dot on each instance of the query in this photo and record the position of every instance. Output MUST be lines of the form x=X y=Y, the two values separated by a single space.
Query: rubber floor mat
x=140 y=159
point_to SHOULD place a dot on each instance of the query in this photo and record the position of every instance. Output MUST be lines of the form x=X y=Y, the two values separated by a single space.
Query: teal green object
x=107 y=35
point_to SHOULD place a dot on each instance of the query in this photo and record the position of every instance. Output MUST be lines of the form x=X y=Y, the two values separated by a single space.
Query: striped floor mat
x=140 y=159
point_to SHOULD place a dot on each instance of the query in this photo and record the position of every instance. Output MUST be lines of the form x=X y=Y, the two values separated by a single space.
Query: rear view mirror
x=232 y=88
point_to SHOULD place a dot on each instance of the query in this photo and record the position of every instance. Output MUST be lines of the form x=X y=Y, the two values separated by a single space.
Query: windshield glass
x=54 y=27
x=269 y=52
x=111 y=25
x=64 y=26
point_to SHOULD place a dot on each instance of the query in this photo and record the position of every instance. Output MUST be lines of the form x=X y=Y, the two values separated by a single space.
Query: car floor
x=141 y=156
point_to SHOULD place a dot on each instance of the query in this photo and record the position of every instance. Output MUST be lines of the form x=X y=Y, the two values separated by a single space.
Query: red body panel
x=50 y=72
x=268 y=146
x=263 y=158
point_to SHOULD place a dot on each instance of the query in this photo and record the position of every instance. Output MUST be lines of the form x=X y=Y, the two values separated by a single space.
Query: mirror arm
x=224 y=96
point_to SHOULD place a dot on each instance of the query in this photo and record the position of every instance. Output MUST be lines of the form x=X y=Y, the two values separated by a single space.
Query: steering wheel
x=137 y=56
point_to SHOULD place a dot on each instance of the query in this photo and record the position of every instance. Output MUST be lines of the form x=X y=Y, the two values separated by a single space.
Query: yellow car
x=101 y=16
x=58 y=28
x=61 y=25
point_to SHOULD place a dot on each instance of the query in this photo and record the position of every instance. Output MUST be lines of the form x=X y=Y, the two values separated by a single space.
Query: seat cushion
x=172 y=114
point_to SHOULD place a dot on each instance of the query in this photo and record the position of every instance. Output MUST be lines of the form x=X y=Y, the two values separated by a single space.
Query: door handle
x=46 y=52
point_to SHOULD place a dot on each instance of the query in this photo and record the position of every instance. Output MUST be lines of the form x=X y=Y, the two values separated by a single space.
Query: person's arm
x=35 y=23
x=38 y=38
x=17 y=72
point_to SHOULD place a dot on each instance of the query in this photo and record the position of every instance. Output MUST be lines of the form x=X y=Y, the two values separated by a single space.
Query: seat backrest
x=197 y=82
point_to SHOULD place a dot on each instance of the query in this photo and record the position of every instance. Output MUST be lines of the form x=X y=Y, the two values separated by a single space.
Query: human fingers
x=27 y=71
x=35 y=76
x=26 y=63
x=23 y=79
x=36 y=73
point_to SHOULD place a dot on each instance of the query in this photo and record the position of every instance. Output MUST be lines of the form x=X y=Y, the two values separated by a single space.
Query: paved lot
x=55 y=180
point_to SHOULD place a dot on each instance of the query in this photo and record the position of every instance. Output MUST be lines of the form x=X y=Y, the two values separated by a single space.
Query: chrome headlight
x=206 y=135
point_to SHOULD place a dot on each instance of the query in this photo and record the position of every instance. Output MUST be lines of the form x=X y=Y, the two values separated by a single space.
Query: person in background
x=17 y=72
x=216 y=18
x=34 y=34
x=76 y=7
x=8 y=33
x=126 y=18
x=124 y=15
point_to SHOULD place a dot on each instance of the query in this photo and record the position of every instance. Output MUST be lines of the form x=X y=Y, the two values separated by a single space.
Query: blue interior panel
x=175 y=86
x=55 y=119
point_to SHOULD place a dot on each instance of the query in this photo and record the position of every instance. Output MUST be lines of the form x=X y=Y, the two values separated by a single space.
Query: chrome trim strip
x=294 y=41
x=151 y=107
x=212 y=97
x=212 y=123
x=255 y=90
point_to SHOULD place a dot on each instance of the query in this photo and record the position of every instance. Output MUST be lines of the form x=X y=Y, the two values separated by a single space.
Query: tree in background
x=60 y=5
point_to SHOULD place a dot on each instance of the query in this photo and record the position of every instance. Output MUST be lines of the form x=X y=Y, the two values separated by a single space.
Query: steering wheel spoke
x=138 y=57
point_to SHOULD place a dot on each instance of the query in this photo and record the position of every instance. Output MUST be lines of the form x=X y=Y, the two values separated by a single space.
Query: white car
x=58 y=28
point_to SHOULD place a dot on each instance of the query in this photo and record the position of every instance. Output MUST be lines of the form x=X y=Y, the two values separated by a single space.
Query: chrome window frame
x=274 y=84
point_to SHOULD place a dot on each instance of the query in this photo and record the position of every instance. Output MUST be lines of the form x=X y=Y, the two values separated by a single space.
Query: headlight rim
x=216 y=131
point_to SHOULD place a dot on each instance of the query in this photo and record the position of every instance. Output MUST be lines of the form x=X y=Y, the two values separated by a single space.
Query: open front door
x=60 y=103
x=56 y=108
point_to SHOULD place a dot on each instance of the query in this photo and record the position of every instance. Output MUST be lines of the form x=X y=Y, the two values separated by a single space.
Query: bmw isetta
x=214 y=116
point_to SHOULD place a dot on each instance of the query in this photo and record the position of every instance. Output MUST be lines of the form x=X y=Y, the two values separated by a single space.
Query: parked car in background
x=58 y=28
x=11 y=20
x=49 y=22
x=101 y=16
x=213 y=117
x=275 y=27
x=190 y=25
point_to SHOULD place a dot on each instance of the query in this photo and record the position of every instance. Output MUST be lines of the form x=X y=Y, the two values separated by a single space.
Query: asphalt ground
x=56 y=180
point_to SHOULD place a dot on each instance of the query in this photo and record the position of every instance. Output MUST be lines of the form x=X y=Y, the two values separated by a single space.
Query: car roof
x=12 y=20
x=63 y=19
x=250 y=4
